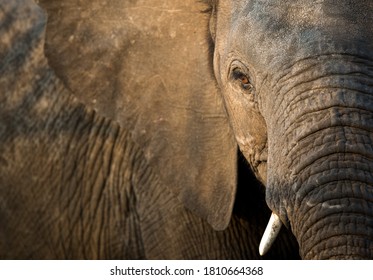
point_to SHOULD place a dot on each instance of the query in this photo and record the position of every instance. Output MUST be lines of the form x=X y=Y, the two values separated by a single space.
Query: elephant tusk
x=270 y=234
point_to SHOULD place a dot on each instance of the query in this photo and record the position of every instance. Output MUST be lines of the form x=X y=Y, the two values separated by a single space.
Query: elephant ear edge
x=147 y=67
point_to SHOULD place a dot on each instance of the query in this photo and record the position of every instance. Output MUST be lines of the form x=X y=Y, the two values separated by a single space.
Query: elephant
x=158 y=97
x=80 y=176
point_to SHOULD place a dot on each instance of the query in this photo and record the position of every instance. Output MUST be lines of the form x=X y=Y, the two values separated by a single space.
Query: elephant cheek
x=262 y=172
x=250 y=131
x=256 y=155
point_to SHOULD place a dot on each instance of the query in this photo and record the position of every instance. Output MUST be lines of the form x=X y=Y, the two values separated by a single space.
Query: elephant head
x=296 y=78
x=293 y=77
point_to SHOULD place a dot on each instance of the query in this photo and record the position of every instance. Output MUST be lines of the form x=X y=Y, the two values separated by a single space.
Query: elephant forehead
x=303 y=11
x=292 y=30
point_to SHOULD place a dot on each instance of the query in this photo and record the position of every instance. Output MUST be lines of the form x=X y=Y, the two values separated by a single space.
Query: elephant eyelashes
x=243 y=79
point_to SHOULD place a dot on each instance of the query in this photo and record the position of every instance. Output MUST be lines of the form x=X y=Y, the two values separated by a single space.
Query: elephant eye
x=243 y=79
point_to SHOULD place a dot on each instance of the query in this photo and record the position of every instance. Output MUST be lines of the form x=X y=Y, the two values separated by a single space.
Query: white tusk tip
x=270 y=234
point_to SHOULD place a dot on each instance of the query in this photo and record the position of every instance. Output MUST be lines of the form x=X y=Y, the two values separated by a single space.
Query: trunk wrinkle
x=320 y=123
x=359 y=107
x=304 y=138
x=312 y=61
x=331 y=222
x=331 y=70
x=322 y=83
x=316 y=159
x=355 y=243
x=329 y=108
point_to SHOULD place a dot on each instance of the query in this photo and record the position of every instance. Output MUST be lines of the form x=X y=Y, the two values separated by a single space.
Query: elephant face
x=296 y=82
x=296 y=78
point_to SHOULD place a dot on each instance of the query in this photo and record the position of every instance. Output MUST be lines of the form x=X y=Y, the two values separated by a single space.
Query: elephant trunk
x=323 y=133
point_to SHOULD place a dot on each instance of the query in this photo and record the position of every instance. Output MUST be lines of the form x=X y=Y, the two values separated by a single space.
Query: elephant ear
x=145 y=64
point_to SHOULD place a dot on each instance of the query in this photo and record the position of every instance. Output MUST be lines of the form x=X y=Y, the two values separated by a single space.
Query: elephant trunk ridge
x=322 y=129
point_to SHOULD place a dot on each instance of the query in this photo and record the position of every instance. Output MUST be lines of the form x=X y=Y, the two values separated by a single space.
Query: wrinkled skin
x=75 y=184
x=301 y=107
x=295 y=79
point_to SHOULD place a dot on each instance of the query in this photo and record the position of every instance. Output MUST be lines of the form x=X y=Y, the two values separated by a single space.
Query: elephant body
x=76 y=185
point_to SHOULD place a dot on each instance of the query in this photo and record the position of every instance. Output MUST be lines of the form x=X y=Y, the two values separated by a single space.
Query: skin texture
x=297 y=90
x=310 y=85
x=77 y=184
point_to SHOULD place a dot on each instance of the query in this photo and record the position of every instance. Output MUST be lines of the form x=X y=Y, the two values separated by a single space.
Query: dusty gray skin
x=75 y=184
x=297 y=81
x=295 y=77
